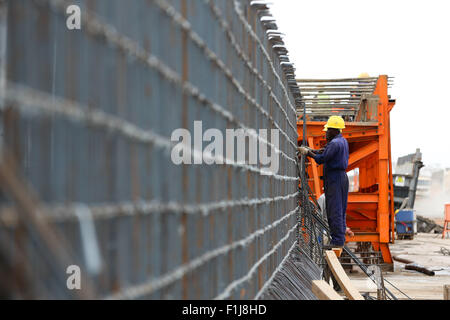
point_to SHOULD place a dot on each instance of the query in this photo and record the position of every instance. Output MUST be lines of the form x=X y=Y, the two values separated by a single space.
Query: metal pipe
x=334 y=85
x=359 y=80
x=329 y=110
x=338 y=89
x=418 y=164
x=333 y=99
x=348 y=94
x=331 y=106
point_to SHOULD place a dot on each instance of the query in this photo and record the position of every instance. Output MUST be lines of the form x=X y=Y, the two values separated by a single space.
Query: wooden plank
x=324 y=291
x=341 y=276
x=446 y=292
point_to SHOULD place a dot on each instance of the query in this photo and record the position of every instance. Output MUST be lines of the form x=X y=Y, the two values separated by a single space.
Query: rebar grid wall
x=88 y=115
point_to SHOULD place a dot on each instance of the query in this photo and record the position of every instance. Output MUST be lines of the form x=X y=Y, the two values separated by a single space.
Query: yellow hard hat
x=364 y=75
x=335 y=122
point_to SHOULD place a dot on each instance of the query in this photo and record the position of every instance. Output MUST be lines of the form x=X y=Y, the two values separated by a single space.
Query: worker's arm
x=313 y=152
x=328 y=154
x=320 y=151
x=306 y=151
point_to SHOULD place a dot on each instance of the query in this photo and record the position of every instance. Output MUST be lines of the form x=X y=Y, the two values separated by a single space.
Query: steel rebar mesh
x=89 y=114
x=311 y=235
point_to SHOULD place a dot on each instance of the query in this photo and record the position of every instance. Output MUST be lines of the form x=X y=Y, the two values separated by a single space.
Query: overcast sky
x=409 y=40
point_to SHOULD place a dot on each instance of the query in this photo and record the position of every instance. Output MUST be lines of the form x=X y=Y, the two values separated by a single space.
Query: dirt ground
x=424 y=249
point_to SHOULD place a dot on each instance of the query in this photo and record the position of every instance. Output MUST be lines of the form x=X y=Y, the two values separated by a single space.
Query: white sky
x=409 y=40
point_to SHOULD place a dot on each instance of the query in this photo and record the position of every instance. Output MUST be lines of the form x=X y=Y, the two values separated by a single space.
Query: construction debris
x=410 y=265
x=445 y=251
x=426 y=225
x=419 y=268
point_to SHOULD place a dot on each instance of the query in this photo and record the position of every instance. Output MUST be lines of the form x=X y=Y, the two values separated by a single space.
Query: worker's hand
x=349 y=232
x=320 y=150
x=303 y=150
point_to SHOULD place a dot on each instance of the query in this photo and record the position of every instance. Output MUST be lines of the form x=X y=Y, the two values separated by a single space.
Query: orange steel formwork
x=370 y=211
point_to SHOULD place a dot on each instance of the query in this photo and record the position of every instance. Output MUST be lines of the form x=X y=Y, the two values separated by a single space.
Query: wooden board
x=324 y=291
x=341 y=276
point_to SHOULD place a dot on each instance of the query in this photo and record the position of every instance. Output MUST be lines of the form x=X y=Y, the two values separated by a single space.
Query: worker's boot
x=327 y=275
x=336 y=285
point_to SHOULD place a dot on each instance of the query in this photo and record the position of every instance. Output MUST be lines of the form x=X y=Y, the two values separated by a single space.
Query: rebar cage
x=86 y=173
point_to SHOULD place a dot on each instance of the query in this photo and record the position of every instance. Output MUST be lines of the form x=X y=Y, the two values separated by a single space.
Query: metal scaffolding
x=335 y=96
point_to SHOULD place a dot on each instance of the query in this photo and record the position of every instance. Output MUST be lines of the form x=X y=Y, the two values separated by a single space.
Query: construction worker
x=335 y=160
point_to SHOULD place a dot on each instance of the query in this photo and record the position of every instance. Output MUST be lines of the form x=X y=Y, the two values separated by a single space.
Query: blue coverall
x=335 y=160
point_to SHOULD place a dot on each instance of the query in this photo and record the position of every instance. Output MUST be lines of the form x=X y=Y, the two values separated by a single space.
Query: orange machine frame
x=370 y=211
